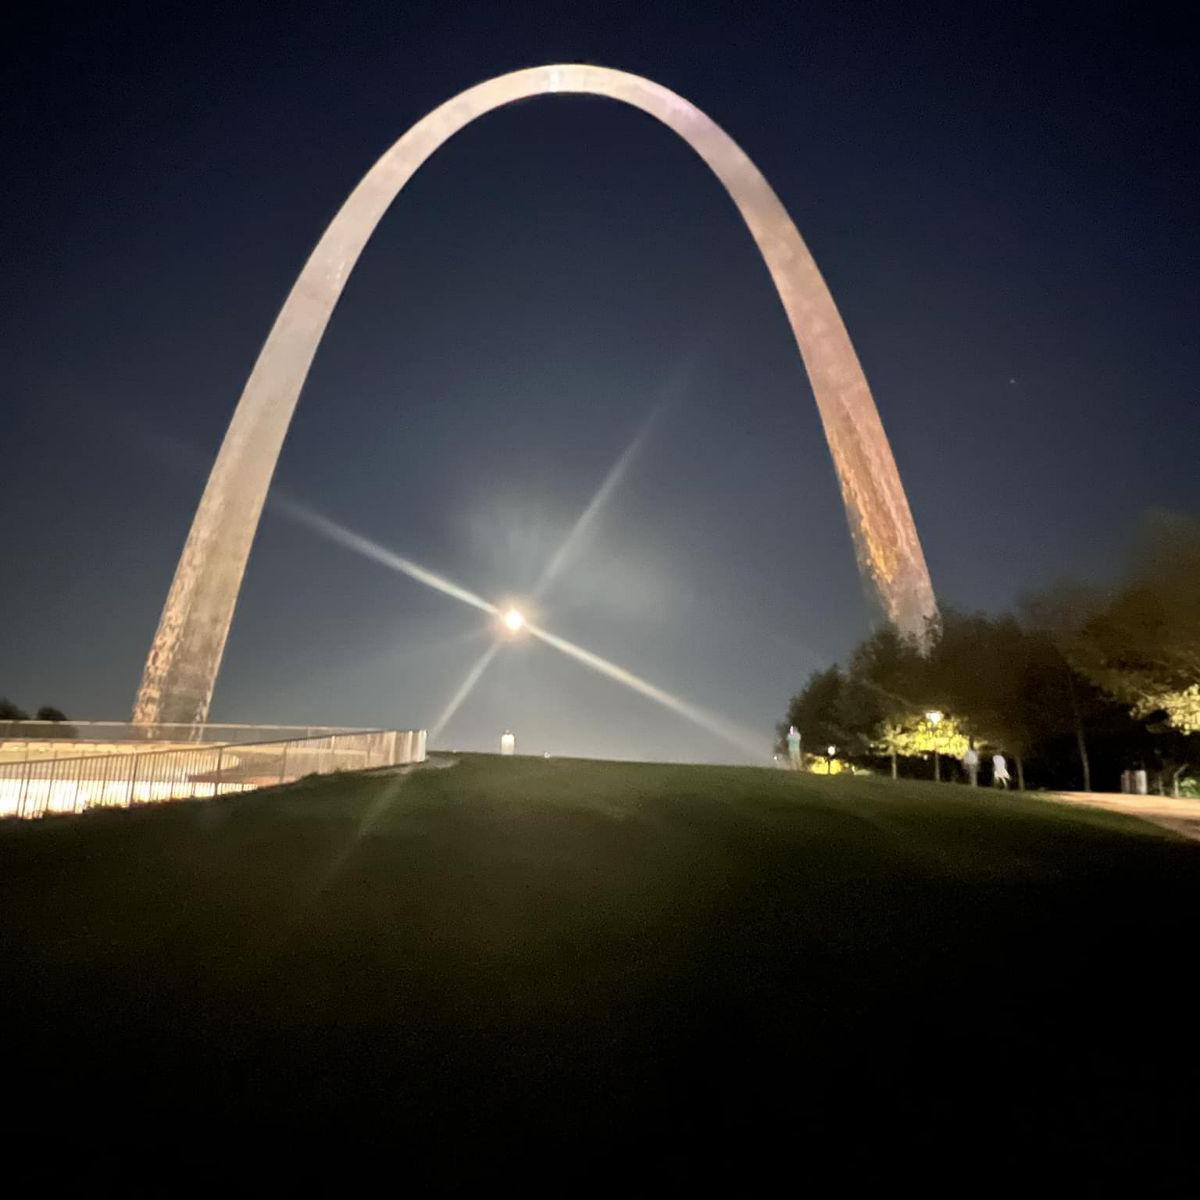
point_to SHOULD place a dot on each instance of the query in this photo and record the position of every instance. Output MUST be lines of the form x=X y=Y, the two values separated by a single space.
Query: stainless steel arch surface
x=182 y=666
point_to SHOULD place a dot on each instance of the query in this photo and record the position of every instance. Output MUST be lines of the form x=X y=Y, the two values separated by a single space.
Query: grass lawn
x=567 y=974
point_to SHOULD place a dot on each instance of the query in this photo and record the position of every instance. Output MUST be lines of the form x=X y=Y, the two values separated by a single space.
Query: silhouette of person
x=793 y=745
x=1000 y=776
x=970 y=762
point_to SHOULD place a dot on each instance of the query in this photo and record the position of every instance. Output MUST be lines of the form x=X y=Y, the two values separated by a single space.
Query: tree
x=816 y=711
x=1139 y=639
x=10 y=712
x=56 y=718
x=1182 y=708
x=921 y=737
x=976 y=668
x=995 y=681
x=881 y=696
x=1012 y=686
x=1110 y=677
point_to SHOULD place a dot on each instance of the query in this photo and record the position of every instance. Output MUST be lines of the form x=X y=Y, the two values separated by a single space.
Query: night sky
x=1003 y=202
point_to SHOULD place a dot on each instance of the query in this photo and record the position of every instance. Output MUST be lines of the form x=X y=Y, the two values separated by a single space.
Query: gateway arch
x=178 y=680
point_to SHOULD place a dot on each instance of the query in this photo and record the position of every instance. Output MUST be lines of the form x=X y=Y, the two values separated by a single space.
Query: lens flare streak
x=742 y=739
x=615 y=475
x=467 y=687
x=727 y=732
x=377 y=553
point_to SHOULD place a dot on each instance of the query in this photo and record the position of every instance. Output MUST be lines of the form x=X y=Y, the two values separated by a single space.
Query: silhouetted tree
x=1139 y=640
x=1084 y=672
x=978 y=667
x=10 y=712
x=816 y=712
x=995 y=681
x=881 y=698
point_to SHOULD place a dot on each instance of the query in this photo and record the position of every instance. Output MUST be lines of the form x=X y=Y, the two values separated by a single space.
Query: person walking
x=793 y=745
x=1000 y=775
x=970 y=762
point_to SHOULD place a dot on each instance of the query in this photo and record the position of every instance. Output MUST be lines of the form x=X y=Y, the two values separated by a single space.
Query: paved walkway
x=1178 y=814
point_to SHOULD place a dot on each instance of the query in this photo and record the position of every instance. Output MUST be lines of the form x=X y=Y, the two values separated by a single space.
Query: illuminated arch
x=182 y=667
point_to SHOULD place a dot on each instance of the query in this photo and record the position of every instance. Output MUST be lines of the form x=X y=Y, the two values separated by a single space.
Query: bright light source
x=514 y=620
x=934 y=717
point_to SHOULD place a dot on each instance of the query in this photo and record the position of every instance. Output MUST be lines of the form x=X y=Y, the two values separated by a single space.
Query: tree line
x=1081 y=683
x=13 y=712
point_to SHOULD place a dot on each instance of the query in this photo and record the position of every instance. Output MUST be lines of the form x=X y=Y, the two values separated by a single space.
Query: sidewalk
x=1178 y=814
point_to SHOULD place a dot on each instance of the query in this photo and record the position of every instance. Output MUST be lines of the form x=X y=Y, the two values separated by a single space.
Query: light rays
x=377 y=553
x=743 y=740
x=726 y=731
x=597 y=502
x=465 y=689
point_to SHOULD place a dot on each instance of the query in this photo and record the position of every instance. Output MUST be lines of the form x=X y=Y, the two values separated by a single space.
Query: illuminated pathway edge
x=182 y=667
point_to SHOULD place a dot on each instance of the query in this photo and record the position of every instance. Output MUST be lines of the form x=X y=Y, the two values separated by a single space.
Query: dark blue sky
x=1003 y=202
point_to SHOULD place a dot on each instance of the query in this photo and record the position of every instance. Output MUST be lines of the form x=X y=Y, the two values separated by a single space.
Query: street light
x=829 y=760
x=935 y=719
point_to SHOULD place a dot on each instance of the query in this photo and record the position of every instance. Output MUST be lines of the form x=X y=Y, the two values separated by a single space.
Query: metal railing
x=128 y=731
x=36 y=788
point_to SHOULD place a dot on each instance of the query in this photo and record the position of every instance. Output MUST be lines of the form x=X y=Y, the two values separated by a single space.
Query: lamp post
x=935 y=719
x=829 y=760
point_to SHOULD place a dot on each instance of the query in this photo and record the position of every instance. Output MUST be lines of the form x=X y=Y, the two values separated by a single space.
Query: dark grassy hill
x=570 y=974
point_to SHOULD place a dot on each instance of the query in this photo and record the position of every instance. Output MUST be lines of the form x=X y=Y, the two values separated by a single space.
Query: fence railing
x=71 y=785
x=128 y=731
